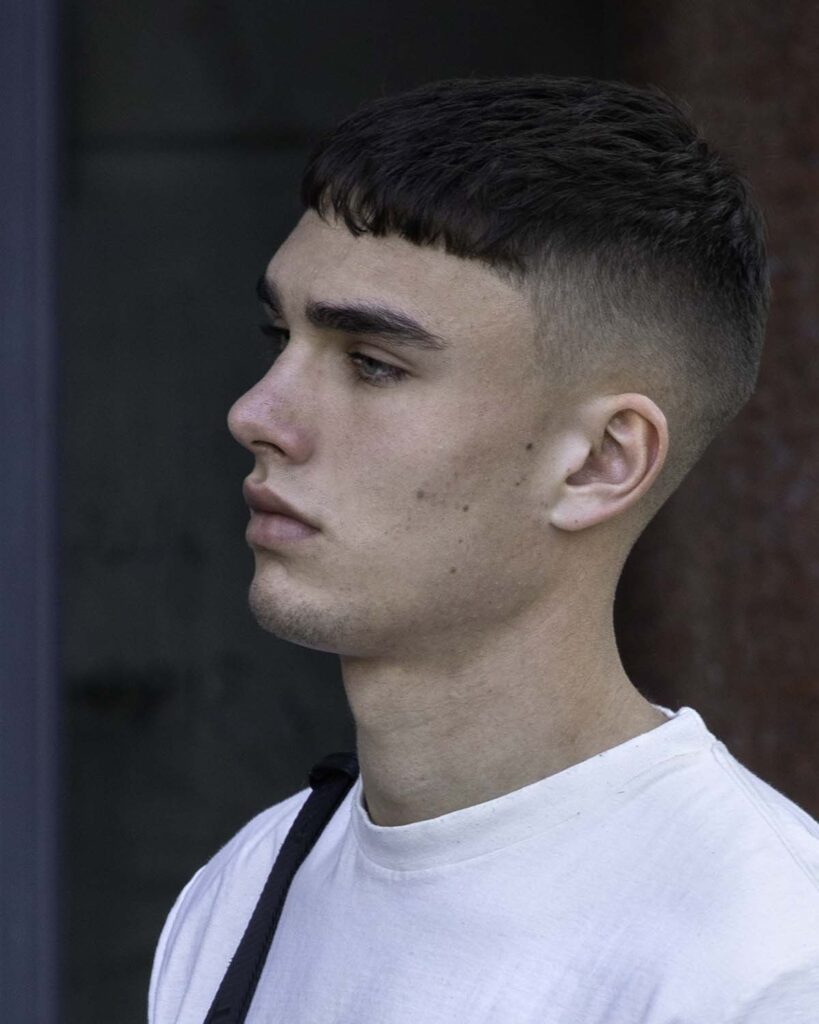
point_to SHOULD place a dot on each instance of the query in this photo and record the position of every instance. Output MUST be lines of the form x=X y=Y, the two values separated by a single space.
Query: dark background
x=185 y=127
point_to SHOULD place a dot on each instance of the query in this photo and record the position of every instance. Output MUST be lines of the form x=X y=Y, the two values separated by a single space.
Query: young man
x=513 y=315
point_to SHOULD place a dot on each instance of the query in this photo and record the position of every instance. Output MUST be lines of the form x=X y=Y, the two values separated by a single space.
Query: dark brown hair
x=642 y=248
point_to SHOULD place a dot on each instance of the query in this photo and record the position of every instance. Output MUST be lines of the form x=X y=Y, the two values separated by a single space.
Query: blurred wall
x=720 y=596
x=187 y=127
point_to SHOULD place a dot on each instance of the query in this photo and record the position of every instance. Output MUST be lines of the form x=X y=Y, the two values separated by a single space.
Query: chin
x=299 y=621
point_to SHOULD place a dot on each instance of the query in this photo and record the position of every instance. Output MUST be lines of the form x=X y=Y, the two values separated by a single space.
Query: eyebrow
x=358 y=318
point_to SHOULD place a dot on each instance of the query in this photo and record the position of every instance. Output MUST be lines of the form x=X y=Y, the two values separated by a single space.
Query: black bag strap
x=330 y=780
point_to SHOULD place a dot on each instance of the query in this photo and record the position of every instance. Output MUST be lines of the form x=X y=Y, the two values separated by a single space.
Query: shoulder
x=767 y=834
x=754 y=851
x=245 y=861
x=790 y=829
x=195 y=935
x=726 y=892
x=727 y=823
x=252 y=849
x=772 y=871
x=744 y=903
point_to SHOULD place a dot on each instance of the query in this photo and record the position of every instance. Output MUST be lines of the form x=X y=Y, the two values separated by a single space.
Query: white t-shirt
x=660 y=882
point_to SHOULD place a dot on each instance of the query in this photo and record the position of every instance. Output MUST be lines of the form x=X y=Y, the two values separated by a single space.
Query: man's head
x=596 y=281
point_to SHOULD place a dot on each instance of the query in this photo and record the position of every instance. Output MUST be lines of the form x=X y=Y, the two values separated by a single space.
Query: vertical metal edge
x=30 y=755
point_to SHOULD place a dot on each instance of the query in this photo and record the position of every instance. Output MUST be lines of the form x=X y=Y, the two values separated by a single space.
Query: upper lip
x=262 y=500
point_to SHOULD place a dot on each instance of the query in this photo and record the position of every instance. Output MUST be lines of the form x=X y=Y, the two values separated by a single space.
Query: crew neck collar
x=526 y=812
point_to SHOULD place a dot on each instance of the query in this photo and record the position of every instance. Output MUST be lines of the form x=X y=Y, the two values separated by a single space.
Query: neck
x=438 y=733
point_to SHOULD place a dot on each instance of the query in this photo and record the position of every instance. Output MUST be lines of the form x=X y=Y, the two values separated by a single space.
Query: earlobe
x=624 y=455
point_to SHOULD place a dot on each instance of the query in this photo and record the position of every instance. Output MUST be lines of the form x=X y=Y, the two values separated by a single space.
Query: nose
x=265 y=418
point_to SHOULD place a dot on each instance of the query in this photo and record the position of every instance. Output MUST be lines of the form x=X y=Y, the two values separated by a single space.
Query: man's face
x=431 y=528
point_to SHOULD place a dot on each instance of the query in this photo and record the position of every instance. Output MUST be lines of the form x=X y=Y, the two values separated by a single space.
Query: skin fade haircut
x=641 y=249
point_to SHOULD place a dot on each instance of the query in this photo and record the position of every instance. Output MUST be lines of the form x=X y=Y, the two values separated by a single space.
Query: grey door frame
x=29 y=475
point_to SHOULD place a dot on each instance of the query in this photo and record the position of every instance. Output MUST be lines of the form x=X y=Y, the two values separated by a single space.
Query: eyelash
x=392 y=374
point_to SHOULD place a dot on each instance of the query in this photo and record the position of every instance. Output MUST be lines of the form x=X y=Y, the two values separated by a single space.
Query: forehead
x=327 y=262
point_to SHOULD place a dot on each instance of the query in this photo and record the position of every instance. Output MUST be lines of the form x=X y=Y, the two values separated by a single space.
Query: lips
x=262 y=500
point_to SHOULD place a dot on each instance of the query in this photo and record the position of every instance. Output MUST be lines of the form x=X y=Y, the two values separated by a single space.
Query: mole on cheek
x=420 y=494
x=453 y=569
x=465 y=508
x=528 y=446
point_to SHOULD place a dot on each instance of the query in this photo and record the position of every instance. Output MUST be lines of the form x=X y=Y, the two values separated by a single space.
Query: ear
x=610 y=460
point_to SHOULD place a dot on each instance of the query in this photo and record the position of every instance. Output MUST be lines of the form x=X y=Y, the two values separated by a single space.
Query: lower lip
x=268 y=529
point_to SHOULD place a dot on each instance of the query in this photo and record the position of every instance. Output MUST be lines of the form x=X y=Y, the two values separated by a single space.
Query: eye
x=371 y=371
x=374 y=371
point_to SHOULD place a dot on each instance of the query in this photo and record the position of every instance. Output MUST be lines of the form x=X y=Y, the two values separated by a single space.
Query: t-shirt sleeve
x=159 y=954
x=242 y=865
x=792 y=999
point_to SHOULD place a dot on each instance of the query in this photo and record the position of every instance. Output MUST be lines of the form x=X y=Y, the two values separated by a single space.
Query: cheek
x=447 y=465
x=459 y=486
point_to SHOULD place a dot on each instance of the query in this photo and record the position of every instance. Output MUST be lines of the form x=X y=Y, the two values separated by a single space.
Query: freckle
x=419 y=495
x=528 y=446
x=453 y=569
x=465 y=508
